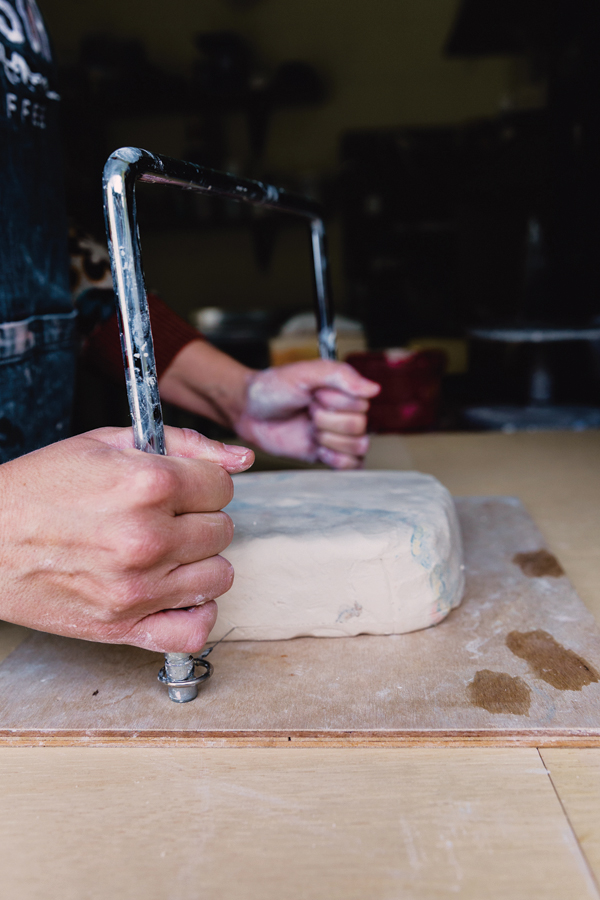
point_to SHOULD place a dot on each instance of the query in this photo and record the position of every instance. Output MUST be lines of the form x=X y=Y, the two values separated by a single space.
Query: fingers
x=281 y=391
x=324 y=373
x=179 y=486
x=284 y=437
x=340 y=436
x=186 y=624
x=185 y=443
x=338 y=460
x=339 y=422
x=339 y=448
x=194 y=477
x=335 y=400
x=115 y=545
x=354 y=446
x=197 y=536
x=175 y=631
x=180 y=587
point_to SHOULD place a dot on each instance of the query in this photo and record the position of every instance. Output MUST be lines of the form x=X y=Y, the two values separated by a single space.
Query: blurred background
x=453 y=144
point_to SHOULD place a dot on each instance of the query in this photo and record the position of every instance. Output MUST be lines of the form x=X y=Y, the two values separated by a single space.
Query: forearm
x=207 y=382
x=314 y=410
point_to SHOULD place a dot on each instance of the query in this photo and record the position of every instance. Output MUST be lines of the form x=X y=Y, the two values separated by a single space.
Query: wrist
x=207 y=382
x=244 y=399
x=232 y=397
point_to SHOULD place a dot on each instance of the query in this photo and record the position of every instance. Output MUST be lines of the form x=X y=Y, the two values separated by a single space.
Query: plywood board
x=518 y=662
x=257 y=825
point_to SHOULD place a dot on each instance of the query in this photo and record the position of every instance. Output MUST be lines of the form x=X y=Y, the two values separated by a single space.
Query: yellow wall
x=384 y=65
x=382 y=58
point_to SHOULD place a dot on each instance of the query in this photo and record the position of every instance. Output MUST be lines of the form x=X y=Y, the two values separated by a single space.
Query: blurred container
x=411 y=384
x=297 y=339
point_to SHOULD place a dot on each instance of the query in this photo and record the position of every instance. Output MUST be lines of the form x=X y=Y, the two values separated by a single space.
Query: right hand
x=103 y=542
x=310 y=410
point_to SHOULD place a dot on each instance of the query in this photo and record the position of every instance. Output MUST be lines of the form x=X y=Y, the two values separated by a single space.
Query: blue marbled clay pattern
x=391 y=537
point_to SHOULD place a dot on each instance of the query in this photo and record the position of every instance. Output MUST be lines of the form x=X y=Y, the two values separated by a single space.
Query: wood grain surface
x=518 y=662
x=308 y=825
x=575 y=775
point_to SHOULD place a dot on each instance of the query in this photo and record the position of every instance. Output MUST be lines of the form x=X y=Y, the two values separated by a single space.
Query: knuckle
x=217 y=577
x=353 y=447
x=196 y=637
x=320 y=417
x=133 y=592
x=228 y=528
x=359 y=424
x=224 y=487
x=109 y=609
x=213 y=532
x=129 y=594
x=141 y=549
x=153 y=483
x=224 y=576
x=220 y=532
x=363 y=445
x=343 y=443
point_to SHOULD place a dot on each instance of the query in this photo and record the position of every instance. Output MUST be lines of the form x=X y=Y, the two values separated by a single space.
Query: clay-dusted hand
x=314 y=410
x=103 y=542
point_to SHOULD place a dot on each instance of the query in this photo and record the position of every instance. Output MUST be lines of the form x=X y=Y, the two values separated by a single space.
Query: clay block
x=329 y=554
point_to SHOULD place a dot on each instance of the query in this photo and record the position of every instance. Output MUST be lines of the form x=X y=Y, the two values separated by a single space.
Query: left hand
x=314 y=410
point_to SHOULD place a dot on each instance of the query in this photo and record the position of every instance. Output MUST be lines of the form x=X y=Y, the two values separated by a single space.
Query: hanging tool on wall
x=123 y=169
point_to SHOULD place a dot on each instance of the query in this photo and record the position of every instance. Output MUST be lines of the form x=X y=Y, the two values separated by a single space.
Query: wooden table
x=338 y=823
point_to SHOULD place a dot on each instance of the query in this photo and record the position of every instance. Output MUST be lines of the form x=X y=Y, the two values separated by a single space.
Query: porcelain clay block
x=340 y=553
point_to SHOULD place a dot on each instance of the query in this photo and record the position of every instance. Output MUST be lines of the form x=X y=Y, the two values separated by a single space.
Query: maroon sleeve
x=171 y=334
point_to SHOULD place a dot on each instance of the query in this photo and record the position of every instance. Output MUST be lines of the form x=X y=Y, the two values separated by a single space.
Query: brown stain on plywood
x=500 y=693
x=539 y=564
x=550 y=661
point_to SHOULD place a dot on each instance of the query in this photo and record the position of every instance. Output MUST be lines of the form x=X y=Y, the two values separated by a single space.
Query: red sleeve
x=170 y=332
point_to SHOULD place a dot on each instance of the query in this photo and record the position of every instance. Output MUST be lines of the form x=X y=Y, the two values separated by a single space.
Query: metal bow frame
x=123 y=169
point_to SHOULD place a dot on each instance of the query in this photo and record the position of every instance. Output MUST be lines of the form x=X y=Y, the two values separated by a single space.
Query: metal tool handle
x=123 y=168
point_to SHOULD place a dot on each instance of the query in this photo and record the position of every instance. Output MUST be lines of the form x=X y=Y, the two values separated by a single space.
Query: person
x=98 y=540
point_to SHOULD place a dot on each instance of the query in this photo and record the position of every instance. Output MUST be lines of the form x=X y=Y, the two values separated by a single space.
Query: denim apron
x=38 y=333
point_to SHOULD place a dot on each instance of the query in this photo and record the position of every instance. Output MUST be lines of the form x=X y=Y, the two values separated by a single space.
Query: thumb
x=185 y=443
x=325 y=373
